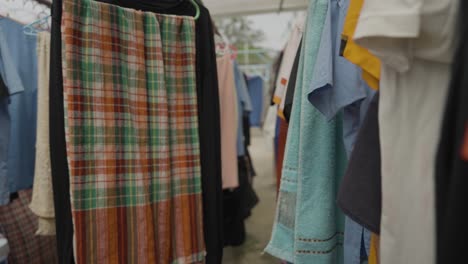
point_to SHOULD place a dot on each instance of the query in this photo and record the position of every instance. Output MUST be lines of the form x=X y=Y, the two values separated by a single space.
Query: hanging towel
x=338 y=86
x=42 y=203
x=309 y=226
x=132 y=135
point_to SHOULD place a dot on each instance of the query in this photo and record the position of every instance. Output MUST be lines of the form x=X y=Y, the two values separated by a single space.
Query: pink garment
x=228 y=104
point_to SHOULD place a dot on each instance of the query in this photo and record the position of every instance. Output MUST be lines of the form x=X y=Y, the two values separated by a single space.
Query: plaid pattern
x=132 y=134
x=19 y=225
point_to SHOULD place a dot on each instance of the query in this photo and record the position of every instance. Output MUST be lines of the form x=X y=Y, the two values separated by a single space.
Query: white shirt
x=415 y=40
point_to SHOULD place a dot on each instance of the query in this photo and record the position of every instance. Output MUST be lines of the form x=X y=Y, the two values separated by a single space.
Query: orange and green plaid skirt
x=132 y=135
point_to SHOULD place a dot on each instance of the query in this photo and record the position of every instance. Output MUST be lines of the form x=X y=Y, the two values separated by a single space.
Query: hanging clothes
x=416 y=55
x=288 y=101
x=4 y=248
x=275 y=68
x=3 y=88
x=18 y=67
x=360 y=193
x=337 y=86
x=238 y=203
x=374 y=250
x=356 y=54
x=255 y=86
x=282 y=135
x=19 y=225
x=244 y=106
x=140 y=136
x=229 y=121
x=452 y=159
x=4 y=143
x=287 y=64
x=209 y=127
x=315 y=160
x=42 y=203
x=58 y=154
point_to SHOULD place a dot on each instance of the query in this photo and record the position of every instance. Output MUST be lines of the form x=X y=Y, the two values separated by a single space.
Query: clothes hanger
x=226 y=45
x=31 y=29
x=197 y=9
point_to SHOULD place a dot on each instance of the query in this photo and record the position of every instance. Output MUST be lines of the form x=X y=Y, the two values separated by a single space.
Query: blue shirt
x=255 y=85
x=18 y=67
x=338 y=85
x=244 y=104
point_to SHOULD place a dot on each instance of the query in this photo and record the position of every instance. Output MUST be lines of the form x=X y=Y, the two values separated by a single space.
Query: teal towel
x=309 y=226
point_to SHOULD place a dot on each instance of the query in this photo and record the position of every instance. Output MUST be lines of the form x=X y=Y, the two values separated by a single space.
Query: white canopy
x=249 y=7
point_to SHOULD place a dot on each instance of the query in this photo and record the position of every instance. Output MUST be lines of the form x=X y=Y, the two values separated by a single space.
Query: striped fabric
x=132 y=135
x=19 y=225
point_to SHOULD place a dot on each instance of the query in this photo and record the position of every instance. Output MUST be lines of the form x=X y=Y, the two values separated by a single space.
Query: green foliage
x=239 y=32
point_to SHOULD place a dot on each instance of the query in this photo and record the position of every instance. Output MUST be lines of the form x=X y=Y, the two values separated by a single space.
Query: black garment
x=238 y=204
x=452 y=163
x=360 y=193
x=246 y=128
x=288 y=103
x=210 y=138
x=3 y=88
x=58 y=153
x=208 y=116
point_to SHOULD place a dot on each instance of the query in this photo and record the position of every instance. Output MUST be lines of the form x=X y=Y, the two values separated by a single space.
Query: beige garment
x=228 y=115
x=287 y=65
x=42 y=203
x=415 y=40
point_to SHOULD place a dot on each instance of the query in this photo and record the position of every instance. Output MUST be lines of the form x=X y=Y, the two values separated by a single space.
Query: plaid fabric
x=19 y=225
x=132 y=135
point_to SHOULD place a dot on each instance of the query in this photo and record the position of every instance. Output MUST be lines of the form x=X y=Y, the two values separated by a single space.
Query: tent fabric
x=248 y=7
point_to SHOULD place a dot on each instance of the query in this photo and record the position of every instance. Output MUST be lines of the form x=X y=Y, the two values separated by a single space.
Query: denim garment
x=244 y=104
x=338 y=85
x=255 y=85
x=309 y=226
x=4 y=141
x=18 y=67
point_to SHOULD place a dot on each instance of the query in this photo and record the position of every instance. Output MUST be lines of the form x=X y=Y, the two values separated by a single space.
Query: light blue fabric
x=18 y=66
x=255 y=84
x=309 y=226
x=244 y=104
x=337 y=85
x=4 y=143
x=354 y=236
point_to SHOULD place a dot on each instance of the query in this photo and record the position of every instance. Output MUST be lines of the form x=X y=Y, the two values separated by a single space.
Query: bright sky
x=276 y=27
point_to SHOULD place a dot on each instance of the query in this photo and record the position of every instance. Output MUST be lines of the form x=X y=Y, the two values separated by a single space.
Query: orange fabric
x=356 y=54
x=374 y=249
x=281 y=148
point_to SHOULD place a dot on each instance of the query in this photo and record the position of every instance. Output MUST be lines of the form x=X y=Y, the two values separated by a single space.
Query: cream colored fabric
x=42 y=203
x=287 y=64
x=414 y=40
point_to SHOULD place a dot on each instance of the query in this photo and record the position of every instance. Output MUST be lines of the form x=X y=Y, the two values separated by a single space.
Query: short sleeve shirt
x=414 y=40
